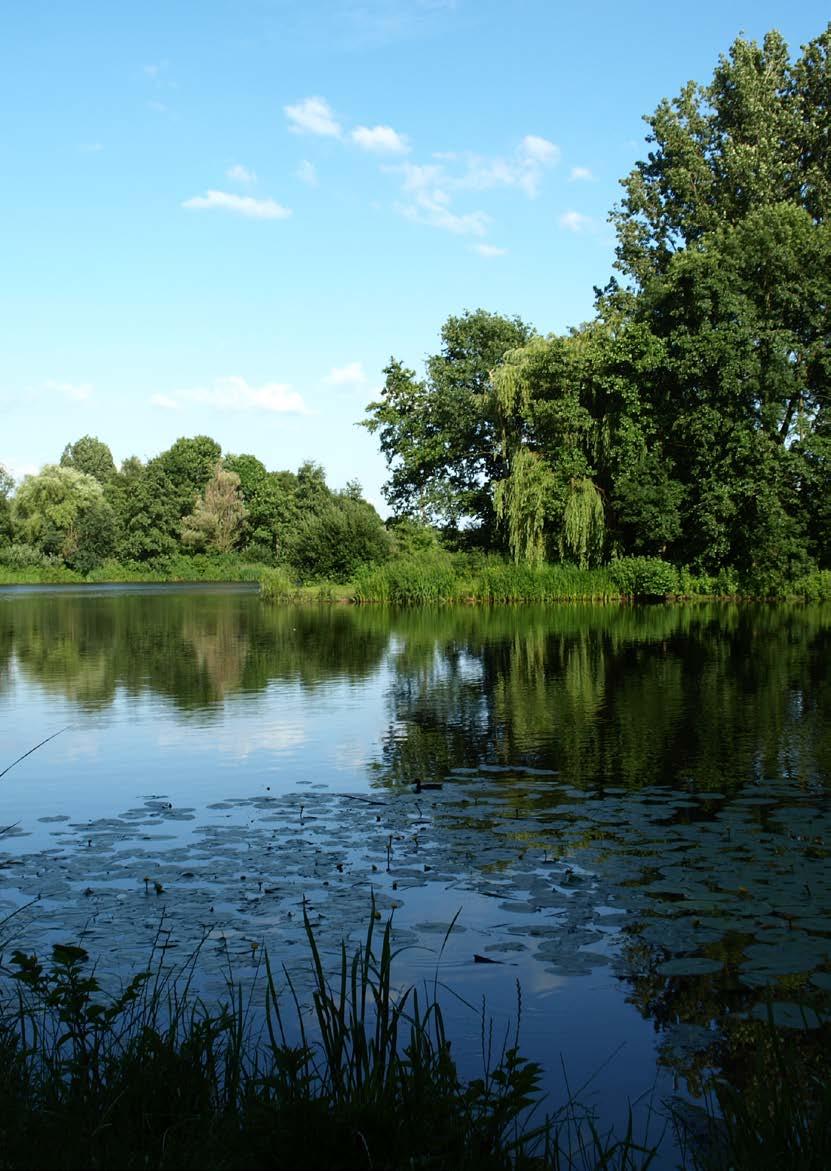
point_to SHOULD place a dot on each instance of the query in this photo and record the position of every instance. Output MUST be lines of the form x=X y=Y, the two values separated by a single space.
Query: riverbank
x=440 y=579
x=154 y=1078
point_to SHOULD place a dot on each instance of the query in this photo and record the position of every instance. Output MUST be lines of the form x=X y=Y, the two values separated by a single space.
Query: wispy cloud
x=578 y=174
x=575 y=221
x=91 y=148
x=236 y=394
x=313 y=116
x=164 y=401
x=241 y=174
x=523 y=169
x=352 y=374
x=77 y=392
x=157 y=107
x=244 y=205
x=307 y=173
x=489 y=250
x=380 y=139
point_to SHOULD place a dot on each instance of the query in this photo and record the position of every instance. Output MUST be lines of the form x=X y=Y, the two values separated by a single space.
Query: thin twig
x=31 y=750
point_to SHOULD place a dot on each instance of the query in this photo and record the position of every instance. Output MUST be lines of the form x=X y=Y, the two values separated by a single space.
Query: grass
x=178 y=568
x=152 y=1078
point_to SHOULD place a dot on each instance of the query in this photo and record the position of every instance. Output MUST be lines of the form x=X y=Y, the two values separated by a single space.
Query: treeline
x=84 y=512
x=691 y=418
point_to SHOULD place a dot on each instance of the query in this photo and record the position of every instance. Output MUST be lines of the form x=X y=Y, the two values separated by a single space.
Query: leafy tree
x=251 y=471
x=6 y=489
x=331 y=542
x=723 y=237
x=148 y=512
x=91 y=456
x=63 y=511
x=216 y=523
x=188 y=465
x=438 y=434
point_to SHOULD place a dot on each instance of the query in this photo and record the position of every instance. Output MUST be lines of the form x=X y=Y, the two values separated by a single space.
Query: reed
x=153 y=1078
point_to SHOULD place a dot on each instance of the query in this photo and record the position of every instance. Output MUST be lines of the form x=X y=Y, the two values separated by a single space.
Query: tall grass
x=152 y=1078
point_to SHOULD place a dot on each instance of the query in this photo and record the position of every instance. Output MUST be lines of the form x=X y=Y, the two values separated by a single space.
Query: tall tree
x=438 y=434
x=723 y=239
x=89 y=455
x=216 y=523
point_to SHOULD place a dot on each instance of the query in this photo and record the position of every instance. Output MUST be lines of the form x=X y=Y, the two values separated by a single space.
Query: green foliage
x=522 y=501
x=421 y=580
x=583 y=524
x=411 y=538
x=644 y=577
x=333 y=540
x=187 y=467
x=438 y=435
x=182 y=1085
x=6 y=489
x=63 y=512
x=91 y=456
x=215 y=525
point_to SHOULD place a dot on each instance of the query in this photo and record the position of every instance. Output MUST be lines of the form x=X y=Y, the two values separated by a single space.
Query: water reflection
x=663 y=769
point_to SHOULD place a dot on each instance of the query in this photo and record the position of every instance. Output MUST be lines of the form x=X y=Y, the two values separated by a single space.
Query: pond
x=625 y=809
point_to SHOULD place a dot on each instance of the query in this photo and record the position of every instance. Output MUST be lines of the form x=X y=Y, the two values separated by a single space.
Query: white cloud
x=580 y=173
x=241 y=174
x=164 y=401
x=306 y=173
x=429 y=203
x=235 y=394
x=351 y=375
x=154 y=70
x=157 y=107
x=77 y=392
x=380 y=139
x=91 y=148
x=539 y=150
x=313 y=116
x=523 y=169
x=244 y=205
x=575 y=221
x=489 y=250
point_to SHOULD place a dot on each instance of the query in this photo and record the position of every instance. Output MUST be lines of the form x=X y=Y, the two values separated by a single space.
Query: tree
x=91 y=456
x=723 y=237
x=147 y=509
x=6 y=489
x=334 y=540
x=216 y=523
x=63 y=511
x=188 y=465
x=438 y=434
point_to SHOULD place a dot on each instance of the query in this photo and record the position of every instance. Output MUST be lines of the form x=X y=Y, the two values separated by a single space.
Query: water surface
x=628 y=806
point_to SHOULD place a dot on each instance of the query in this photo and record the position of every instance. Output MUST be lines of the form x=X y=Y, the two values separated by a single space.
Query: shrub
x=644 y=577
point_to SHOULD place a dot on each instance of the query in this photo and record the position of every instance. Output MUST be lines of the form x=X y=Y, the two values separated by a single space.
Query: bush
x=644 y=577
x=22 y=556
x=813 y=587
x=408 y=581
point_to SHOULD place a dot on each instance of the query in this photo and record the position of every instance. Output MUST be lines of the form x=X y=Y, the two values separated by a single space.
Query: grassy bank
x=180 y=568
x=155 y=1078
x=440 y=579
x=434 y=579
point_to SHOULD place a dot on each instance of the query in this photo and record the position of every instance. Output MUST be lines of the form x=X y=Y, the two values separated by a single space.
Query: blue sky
x=223 y=216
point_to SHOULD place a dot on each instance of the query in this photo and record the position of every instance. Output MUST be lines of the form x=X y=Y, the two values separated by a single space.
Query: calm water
x=628 y=807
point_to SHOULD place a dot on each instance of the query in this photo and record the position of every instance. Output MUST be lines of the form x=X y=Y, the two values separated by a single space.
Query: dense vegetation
x=151 y=1078
x=188 y=513
x=690 y=419
x=689 y=422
